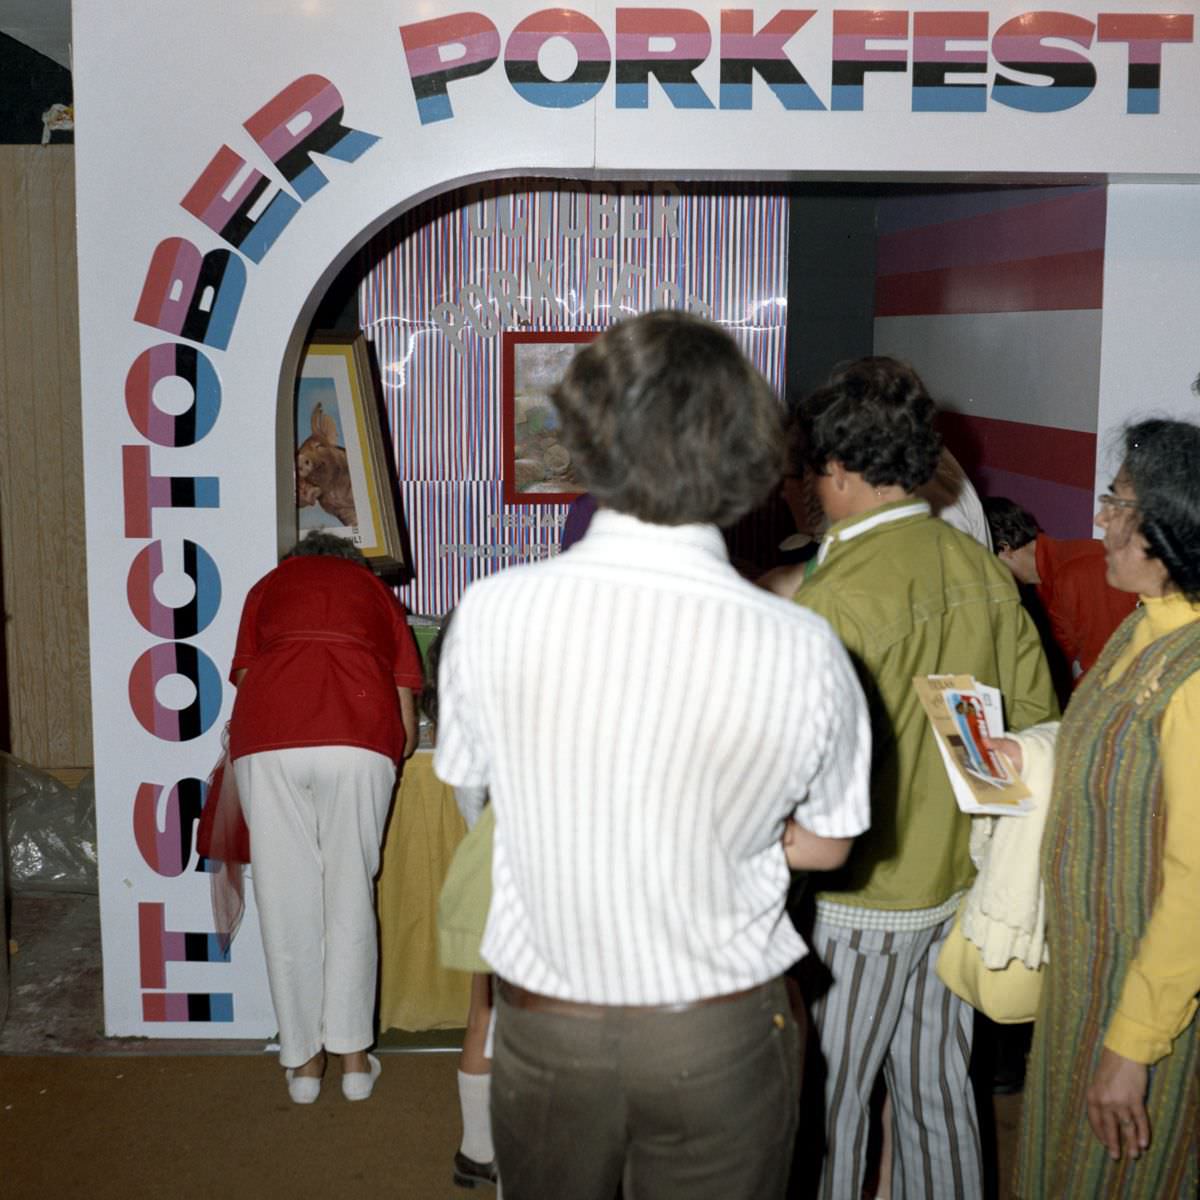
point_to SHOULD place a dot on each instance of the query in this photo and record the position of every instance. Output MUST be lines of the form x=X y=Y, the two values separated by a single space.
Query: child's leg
x=474 y=1075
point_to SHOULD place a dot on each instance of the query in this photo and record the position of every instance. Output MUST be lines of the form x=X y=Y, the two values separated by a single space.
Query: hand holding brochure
x=964 y=714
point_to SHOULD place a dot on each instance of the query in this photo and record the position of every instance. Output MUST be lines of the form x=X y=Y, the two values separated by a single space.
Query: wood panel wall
x=41 y=461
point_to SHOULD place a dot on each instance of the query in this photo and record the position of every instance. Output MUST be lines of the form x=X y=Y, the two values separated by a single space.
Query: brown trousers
x=701 y=1104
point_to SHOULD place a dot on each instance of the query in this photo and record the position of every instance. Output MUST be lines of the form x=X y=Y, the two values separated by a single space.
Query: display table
x=415 y=992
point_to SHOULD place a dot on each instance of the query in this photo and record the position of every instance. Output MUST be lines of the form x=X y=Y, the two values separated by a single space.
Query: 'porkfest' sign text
x=956 y=61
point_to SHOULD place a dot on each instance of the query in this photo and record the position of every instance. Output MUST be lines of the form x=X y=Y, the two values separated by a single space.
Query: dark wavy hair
x=1162 y=460
x=1011 y=526
x=666 y=420
x=875 y=417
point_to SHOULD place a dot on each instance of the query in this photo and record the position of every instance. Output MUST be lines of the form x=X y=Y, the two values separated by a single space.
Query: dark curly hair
x=1162 y=460
x=667 y=421
x=1011 y=526
x=875 y=417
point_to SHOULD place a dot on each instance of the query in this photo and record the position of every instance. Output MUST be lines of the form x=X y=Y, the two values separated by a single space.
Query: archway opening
x=992 y=290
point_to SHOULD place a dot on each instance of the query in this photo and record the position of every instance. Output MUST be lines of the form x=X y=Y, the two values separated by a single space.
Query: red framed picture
x=537 y=466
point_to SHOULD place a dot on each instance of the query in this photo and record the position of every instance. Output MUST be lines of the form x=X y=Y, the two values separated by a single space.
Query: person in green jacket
x=908 y=595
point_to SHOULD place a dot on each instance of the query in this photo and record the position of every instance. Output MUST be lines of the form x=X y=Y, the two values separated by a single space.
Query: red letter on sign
x=145 y=492
x=852 y=58
x=470 y=33
x=1145 y=34
x=225 y=205
x=194 y=295
x=303 y=120
x=167 y=849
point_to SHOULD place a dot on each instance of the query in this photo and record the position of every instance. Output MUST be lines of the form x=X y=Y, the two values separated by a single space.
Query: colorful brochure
x=964 y=713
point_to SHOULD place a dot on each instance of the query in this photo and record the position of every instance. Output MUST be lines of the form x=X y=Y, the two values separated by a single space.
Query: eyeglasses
x=1109 y=501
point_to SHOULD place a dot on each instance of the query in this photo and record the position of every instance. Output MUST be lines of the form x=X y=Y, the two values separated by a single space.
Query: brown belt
x=519 y=997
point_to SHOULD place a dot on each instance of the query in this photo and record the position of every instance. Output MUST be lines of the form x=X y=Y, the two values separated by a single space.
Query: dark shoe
x=1008 y=1085
x=1008 y=1066
x=469 y=1174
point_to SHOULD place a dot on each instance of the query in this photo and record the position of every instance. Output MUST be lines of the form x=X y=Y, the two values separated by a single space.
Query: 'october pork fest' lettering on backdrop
x=1037 y=62
x=196 y=296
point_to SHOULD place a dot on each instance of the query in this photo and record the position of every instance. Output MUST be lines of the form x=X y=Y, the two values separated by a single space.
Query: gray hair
x=329 y=545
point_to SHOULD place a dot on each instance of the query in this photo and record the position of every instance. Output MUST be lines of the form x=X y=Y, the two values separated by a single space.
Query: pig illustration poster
x=537 y=466
x=324 y=491
x=342 y=482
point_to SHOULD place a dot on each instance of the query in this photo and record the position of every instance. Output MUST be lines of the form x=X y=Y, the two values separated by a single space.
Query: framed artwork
x=537 y=466
x=342 y=481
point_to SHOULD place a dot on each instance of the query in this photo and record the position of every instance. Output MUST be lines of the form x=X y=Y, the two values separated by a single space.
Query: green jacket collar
x=851 y=527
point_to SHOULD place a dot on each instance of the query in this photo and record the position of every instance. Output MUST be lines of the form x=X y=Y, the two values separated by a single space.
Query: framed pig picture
x=537 y=466
x=343 y=485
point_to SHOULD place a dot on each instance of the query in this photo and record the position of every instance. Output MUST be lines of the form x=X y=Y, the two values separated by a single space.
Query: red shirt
x=324 y=645
x=1083 y=608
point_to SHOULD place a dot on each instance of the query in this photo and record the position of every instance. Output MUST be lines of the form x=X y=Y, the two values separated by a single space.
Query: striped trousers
x=887 y=1010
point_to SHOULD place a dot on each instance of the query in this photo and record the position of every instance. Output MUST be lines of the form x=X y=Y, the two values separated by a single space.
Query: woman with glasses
x=1112 y=1098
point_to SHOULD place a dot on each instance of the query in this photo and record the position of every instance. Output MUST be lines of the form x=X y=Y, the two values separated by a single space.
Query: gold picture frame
x=343 y=485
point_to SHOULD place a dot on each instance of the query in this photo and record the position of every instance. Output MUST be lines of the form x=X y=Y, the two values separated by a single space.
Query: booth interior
x=422 y=426
x=473 y=303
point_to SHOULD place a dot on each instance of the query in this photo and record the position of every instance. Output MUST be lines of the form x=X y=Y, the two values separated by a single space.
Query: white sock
x=474 y=1095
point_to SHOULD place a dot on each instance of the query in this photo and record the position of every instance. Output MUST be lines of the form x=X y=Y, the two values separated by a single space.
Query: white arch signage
x=230 y=156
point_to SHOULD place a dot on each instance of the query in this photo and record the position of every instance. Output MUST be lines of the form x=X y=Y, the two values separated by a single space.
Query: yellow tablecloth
x=415 y=992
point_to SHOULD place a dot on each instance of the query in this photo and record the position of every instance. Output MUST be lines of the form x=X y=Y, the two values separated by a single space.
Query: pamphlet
x=964 y=714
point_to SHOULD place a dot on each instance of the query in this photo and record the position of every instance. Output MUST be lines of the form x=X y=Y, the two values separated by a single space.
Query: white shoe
x=358 y=1085
x=303 y=1089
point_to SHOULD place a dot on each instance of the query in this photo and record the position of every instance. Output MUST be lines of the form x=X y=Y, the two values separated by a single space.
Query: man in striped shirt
x=660 y=740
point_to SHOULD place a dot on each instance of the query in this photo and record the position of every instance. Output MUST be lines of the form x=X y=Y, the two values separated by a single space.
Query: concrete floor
x=56 y=996
x=56 y=1007
x=56 y=1001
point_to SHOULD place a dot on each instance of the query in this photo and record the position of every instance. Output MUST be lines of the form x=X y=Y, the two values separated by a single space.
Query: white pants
x=316 y=817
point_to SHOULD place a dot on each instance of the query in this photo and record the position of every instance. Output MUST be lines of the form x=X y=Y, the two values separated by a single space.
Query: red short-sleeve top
x=1084 y=609
x=324 y=645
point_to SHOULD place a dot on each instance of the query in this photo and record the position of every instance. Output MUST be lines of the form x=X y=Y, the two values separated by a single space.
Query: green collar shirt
x=910 y=595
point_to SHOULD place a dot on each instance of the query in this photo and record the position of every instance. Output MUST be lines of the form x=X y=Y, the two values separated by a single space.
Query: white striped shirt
x=645 y=720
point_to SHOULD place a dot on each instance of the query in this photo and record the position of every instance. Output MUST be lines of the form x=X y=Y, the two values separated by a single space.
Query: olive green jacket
x=910 y=595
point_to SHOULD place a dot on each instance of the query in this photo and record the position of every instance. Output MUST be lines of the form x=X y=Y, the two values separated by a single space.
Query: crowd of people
x=659 y=746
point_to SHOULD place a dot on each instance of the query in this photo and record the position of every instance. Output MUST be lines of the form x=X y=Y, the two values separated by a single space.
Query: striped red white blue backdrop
x=995 y=297
x=445 y=281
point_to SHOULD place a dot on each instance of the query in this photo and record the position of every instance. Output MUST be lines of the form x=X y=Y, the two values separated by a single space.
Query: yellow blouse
x=1158 y=999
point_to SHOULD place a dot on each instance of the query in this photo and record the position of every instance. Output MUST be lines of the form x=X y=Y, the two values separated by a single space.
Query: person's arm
x=407 y=674
x=1065 y=627
x=246 y=646
x=470 y=801
x=408 y=716
x=1158 y=996
x=808 y=851
x=820 y=832
x=1028 y=688
x=784 y=581
x=460 y=757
